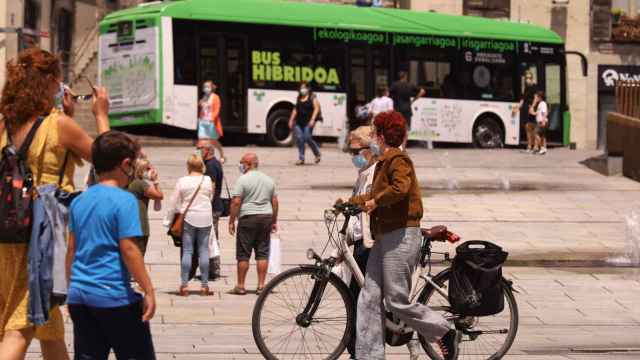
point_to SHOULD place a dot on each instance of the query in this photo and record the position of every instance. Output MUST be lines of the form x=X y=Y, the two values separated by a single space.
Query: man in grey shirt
x=255 y=205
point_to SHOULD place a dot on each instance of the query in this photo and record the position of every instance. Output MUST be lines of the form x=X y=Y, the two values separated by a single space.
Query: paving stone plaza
x=549 y=211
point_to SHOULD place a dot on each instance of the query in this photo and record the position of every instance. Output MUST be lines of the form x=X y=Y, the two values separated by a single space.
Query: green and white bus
x=153 y=58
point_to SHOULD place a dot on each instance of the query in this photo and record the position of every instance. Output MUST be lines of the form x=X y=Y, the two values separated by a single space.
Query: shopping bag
x=274 y=255
x=207 y=130
x=214 y=245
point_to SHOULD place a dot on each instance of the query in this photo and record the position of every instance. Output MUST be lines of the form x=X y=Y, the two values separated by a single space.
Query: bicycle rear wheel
x=277 y=329
x=488 y=337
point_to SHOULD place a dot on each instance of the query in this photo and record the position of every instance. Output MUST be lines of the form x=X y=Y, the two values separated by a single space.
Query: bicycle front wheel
x=486 y=337
x=278 y=328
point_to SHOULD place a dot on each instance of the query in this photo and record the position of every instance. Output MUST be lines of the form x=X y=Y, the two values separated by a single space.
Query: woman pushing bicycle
x=395 y=207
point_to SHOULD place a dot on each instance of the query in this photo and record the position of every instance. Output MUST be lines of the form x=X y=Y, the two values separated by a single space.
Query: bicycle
x=307 y=311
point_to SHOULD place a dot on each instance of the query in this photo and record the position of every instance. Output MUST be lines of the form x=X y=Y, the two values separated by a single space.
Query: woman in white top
x=198 y=220
x=541 y=110
x=381 y=103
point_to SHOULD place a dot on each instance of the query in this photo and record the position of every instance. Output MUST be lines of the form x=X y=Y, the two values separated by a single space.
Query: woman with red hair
x=395 y=206
x=32 y=97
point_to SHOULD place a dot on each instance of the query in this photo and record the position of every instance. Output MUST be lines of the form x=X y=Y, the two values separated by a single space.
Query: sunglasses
x=77 y=98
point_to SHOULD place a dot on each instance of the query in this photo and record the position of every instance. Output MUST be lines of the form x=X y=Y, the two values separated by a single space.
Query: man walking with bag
x=255 y=205
x=216 y=173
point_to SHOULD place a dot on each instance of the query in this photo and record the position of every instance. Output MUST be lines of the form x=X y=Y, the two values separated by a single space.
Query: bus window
x=184 y=54
x=330 y=57
x=281 y=64
x=487 y=82
x=438 y=79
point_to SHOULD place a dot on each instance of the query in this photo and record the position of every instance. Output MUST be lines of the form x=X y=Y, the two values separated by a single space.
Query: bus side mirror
x=583 y=61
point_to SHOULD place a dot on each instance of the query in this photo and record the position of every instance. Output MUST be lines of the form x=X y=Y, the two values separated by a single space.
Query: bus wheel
x=279 y=133
x=488 y=134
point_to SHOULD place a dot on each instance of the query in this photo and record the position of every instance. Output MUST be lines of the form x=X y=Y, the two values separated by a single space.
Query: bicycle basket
x=475 y=287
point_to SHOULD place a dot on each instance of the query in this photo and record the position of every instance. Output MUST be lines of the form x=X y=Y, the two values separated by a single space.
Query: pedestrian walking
x=303 y=119
x=526 y=119
x=381 y=103
x=255 y=206
x=106 y=313
x=192 y=196
x=209 y=122
x=213 y=169
x=541 y=111
x=32 y=88
x=403 y=94
x=395 y=206
x=145 y=187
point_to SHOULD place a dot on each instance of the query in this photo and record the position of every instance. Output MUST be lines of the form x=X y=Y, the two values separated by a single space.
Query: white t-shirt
x=200 y=213
x=542 y=112
x=358 y=227
x=380 y=104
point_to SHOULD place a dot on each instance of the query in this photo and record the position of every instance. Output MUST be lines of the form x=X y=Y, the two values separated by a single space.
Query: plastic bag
x=274 y=255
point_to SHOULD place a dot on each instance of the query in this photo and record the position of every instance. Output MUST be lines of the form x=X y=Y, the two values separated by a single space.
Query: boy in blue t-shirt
x=104 y=223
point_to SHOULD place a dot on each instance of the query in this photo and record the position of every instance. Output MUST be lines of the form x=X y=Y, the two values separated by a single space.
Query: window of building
x=31 y=14
x=495 y=9
x=63 y=39
x=626 y=7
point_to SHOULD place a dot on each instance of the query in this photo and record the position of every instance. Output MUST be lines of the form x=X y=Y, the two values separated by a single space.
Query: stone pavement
x=538 y=208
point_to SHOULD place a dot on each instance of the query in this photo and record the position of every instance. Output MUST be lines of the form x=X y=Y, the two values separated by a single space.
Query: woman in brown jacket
x=395 y=206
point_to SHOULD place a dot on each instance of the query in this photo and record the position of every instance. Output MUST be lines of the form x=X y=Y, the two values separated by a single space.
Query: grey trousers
x=392 y=261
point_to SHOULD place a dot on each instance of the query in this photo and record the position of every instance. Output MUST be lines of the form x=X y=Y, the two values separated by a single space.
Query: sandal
x=184 y=291
x=259 y=290
x=237 y=291
x=205 y=292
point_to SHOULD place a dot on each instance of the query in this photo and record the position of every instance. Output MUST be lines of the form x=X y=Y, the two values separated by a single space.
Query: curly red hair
x=27 y=89
x=392 y=126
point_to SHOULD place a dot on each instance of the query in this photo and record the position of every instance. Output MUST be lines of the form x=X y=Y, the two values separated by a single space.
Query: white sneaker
x=542 y=151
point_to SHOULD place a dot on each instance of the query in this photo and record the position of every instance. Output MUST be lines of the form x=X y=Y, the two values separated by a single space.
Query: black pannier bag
x=476 y=286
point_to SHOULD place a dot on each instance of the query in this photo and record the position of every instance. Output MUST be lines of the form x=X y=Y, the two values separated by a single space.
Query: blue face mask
x=375 y=149
x=242 y=168
x=359 y=161
x=60 y=97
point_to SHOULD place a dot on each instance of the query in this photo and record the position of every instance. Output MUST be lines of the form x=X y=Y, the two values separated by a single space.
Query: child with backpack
x=104 y=224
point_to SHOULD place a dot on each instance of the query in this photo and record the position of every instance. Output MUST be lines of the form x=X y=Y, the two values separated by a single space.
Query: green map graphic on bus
x=129 y=71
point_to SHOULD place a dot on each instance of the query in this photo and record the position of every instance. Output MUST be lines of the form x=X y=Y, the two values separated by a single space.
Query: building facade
x=607 y=32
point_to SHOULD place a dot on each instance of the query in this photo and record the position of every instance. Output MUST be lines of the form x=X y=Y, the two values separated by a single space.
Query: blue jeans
x=305 y=136
x=191 y=237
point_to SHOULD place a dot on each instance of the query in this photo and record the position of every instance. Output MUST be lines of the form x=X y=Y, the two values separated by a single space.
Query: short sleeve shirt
x=401 y=93
x=100 y=218
x=138 y=188
x=542 y=112
x=256 y=190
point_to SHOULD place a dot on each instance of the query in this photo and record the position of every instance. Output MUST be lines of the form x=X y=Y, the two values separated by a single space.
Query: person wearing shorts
x=209 y=122
x=255 y=204
x=541 y=111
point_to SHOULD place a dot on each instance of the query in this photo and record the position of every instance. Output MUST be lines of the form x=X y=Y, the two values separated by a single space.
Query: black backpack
x=476 y=285
x=17 y=190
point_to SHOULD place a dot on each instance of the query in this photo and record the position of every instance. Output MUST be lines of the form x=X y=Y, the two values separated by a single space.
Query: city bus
x=153 y=59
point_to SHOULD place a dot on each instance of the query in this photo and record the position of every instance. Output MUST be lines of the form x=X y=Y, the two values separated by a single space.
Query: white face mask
x=206 y=90
x=304 y=91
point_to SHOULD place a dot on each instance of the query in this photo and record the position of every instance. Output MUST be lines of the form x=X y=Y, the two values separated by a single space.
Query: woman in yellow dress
x=33 y=85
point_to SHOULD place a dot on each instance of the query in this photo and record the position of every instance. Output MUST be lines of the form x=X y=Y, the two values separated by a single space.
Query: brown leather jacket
x=396 y=191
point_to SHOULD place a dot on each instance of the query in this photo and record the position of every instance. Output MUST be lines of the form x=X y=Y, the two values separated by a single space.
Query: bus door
x=233 y=86
x=222 y=59
x=552 y=85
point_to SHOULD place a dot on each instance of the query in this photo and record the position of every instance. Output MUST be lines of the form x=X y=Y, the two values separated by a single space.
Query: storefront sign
x=609 y=74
